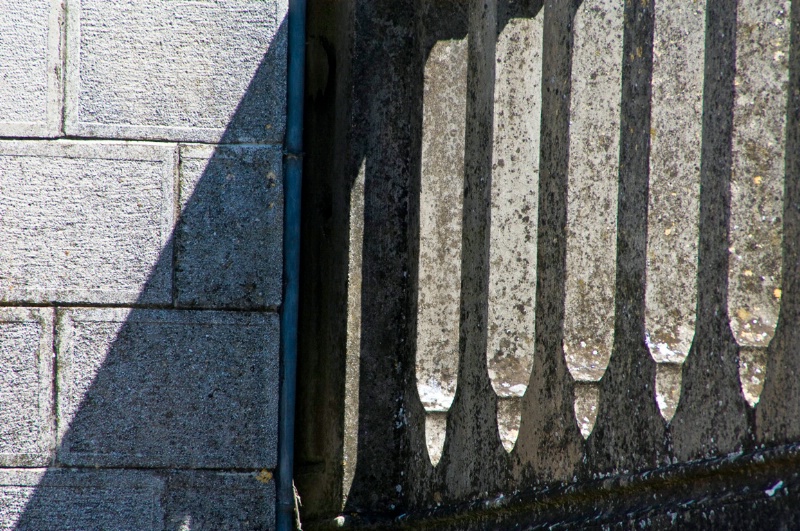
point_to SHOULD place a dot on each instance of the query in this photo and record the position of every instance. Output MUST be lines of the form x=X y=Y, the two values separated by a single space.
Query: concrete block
x=62 y=499
x=230 y=232
x=86 y=222
x=167 y=388
x=30 y=68
x=27 y=424
x=190 y=71
x=216 y=501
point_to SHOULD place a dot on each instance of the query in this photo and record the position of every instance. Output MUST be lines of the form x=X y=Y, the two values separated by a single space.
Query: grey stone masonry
x=30 y=68
x=35 y=500
x=86 y=222
x=231 y=212
x=141 y=217
x=176 y=70
x=56 y=500
x=26 y=385
x=159 y=388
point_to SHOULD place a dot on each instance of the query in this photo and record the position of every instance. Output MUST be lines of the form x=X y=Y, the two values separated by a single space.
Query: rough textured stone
x=61 y=500
x=629 y=432
x=228 y=242
x=442 y=183
x=157 y=388
x=548 y=414
x=216 y=501
x=759 y=131
x=27 y=422
x=30 y=68
x=673 y=211
x=673 y=214
x=86 y=222
x=592 y=190
x=179 y=70
x=515 y=187
x=663 y=71
x=712 y=417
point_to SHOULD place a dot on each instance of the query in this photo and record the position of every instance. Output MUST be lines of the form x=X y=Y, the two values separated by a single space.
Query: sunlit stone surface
x=592 y=193
x=674 y=203
x=515 y=185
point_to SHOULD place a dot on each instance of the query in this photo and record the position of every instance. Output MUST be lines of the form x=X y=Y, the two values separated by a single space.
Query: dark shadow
x=376 y=128
x=777 y=414
x=175 y=407
x=630 y=432
x=549 y=447
x=712 y=416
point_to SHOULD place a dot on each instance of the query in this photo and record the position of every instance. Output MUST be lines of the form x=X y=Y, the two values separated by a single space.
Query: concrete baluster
x=757 y=183
x=441 y=198
x=674 y=201
x=592 y=199
x=515 y=186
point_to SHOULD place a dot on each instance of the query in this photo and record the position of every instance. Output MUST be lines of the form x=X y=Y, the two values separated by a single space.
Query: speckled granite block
x=193 y=71
x=230 y=232
x=30 y=67
x=167 y=388
x=86 y=222
x=27 y=423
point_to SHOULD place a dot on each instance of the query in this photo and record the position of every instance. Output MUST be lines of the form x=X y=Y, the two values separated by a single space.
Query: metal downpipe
x=293 y=172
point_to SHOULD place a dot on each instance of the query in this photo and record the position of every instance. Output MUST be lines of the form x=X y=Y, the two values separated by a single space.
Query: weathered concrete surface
x=228 y=251
x=178 y=71
x=712 y=416
x=549 y=448
x=160 y=388
x=759 y=126
x=515 y=203
x=442 y=183
x=778 y=410
x=673 y=206
x=753 y=491
x=673 y=213
x=472 y=428
x=593 y=171
x=30 y=68
x=27 y=419
x=353 y=349
x=86 y=222
x=629 y=433
x=672 y=59
x=62 y=499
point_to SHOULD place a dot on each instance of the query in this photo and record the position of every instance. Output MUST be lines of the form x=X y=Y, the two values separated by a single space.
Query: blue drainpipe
x=293 y=173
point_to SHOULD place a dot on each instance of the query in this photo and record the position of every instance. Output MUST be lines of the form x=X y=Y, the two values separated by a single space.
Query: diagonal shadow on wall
x=167 y=413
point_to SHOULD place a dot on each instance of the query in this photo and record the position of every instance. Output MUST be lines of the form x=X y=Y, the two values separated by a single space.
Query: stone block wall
x=140 y=266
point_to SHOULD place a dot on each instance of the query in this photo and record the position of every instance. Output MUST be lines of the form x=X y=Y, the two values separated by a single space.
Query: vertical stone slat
x=711 y=418
x=629 y=433
x=778 y=410
x=756 y=224
x=515 y=183
x=474 y=456
x=592 y=199
x=673 y=210
x=549 y=444
x=442 y=181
